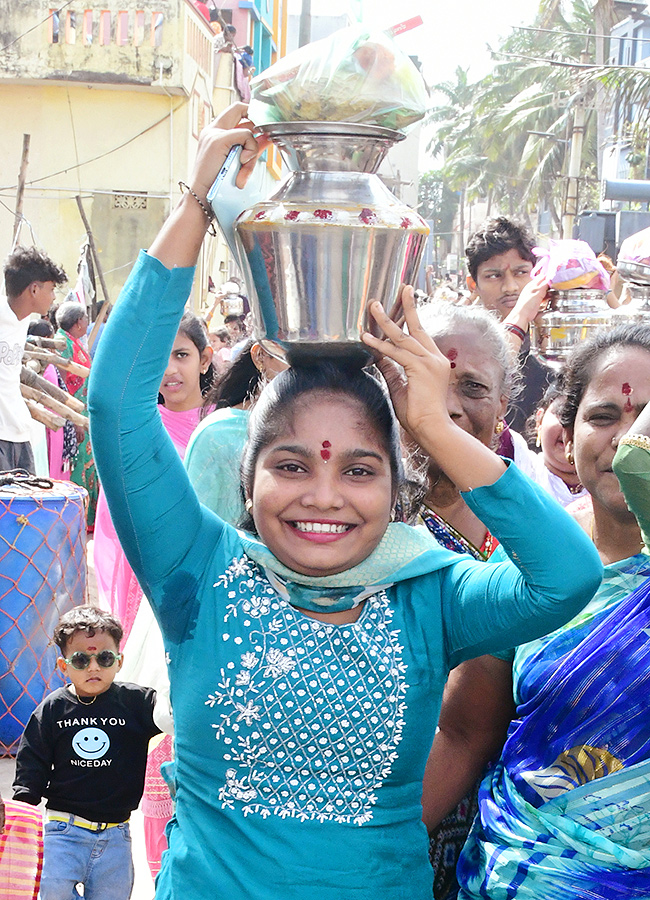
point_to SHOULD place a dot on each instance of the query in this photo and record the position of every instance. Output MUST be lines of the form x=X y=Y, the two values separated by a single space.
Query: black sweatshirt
x=87 y=759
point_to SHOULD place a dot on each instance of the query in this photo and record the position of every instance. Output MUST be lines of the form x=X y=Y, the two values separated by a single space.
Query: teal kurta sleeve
x=156 y=513
x=487 y=608
x=632 y=468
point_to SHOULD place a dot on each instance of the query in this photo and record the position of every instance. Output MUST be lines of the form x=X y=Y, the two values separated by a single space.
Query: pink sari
x=119 y=592
x=117 y=586
x=21 y=851
x=55 y=438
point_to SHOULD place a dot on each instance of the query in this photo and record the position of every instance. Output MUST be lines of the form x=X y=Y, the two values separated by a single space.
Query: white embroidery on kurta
x=309 y=714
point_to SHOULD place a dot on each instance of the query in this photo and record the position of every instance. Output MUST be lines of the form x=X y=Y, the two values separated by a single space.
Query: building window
x=122 y=31
x=138 y=28
x=627 y=53
x=105 y=27
x=88 y=27
x=54 y=26
x=156 y=29
x=71 y=27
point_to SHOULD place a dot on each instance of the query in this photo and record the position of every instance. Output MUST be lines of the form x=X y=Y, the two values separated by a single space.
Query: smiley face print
x=91 y=743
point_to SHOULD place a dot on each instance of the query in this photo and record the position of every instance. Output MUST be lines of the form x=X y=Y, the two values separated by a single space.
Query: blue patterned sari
x=566 y=812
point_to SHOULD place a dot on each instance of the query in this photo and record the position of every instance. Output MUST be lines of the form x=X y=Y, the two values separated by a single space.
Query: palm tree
x=506 y=136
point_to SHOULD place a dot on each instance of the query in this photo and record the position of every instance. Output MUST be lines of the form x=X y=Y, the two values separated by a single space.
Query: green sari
x=83 y=470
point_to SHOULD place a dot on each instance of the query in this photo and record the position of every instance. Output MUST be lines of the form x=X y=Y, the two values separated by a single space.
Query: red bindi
x=627 y=390
x=451 y=356
x=325 y=453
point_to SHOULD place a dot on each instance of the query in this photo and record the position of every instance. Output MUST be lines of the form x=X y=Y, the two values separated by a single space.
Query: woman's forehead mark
x=627 y=390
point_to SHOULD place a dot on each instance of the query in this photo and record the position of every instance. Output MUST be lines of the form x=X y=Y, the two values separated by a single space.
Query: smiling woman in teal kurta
x=307 y=661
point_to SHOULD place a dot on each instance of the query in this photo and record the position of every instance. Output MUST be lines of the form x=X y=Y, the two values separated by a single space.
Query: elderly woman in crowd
x=566 y=811
x=484 y=378
x=72 y=319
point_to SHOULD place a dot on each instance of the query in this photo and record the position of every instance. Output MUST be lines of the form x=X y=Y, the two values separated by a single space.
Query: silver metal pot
x=640 y=302
x=570 y=318
x=633 y=271
x=332 y=238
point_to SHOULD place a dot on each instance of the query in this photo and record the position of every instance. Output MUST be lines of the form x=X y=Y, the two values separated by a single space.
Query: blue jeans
x=100 y=860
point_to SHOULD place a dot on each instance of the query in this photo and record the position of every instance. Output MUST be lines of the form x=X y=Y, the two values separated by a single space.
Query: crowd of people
x=390 y=622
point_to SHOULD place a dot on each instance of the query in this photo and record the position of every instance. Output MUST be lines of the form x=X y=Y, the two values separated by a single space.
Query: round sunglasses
x=81 y=660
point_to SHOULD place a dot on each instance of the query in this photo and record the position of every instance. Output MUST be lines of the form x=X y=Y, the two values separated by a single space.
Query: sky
x=455 y=32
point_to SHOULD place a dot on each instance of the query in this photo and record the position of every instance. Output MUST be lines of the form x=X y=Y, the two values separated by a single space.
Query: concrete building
x=113 y=97
x=629 y=45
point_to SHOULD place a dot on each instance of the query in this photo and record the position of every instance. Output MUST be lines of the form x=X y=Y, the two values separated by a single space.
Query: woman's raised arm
x=155 y=511
x=179 y=240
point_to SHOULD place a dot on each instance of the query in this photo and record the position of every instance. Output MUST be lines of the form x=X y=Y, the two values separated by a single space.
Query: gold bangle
x=636 y=440
x=208 y=212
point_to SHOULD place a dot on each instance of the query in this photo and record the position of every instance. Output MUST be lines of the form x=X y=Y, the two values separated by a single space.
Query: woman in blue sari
x=566 y=811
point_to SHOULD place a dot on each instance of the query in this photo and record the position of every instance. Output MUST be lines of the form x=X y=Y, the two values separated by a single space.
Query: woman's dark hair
x=89 y=620
x=192 y=327
x=241 y=381
x=273 y=413
x=497 y=236
x=41 y=328
x=581 y=363
x=26 y=265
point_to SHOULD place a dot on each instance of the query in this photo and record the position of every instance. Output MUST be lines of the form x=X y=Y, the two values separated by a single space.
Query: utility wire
x=613 y=37
x=564 y=64
x=34 y=27
x=101 y=155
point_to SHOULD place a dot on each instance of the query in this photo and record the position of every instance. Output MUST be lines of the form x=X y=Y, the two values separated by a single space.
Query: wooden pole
x=94 y=334
x=46 y=357
x=50 y=403
x=21 y=187
x=49 y=419
x=42 y=384
x=93 y=249
x=48 y=343
x=304 y=31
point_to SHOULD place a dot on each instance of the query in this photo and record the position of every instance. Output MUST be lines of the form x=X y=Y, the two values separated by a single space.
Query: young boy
x=85 y=750
x=28 y=287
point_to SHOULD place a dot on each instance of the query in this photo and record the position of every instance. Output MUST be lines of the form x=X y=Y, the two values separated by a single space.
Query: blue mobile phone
x=228 y=201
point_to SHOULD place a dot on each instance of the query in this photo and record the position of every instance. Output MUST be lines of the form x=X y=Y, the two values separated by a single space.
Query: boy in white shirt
x=29 y=280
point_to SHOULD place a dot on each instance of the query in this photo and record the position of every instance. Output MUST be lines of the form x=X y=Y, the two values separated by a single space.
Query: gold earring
x=569 y=458
x=249 y=505
x=538 y=442
x=499 y=427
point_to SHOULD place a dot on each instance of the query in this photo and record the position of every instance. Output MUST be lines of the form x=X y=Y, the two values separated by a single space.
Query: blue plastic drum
x=42 y=575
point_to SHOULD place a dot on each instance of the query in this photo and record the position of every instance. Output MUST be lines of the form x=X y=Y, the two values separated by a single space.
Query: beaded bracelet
x=516 y=330
x=208 y=212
